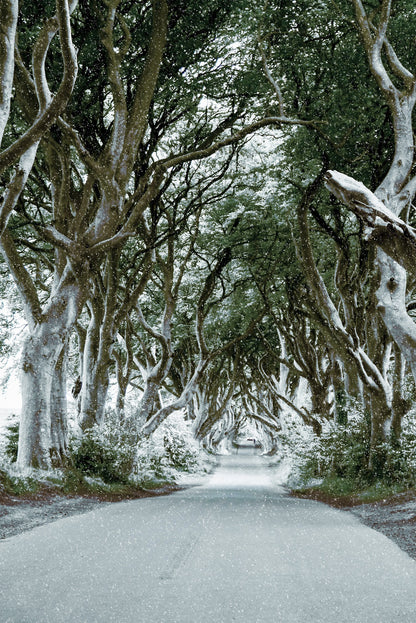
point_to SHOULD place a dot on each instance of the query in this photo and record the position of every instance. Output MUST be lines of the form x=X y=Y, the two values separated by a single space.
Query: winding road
x=235 y=549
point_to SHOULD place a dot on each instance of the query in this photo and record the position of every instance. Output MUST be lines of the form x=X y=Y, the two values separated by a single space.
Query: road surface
x=236 y=549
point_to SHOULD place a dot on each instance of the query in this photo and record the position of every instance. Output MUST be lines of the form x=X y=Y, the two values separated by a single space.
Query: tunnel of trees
x=207 y=207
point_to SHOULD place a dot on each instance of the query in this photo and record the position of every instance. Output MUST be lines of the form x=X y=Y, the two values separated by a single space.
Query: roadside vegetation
x=334 y=466
x=101 y=462
x=208 y=209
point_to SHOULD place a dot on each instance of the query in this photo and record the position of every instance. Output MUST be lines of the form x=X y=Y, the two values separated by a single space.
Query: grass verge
x=70 y=483
x=342 y=492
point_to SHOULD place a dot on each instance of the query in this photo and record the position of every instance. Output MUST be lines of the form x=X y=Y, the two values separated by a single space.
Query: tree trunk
x=389 y=231
x=123 y=384
x=123 y=375
x=381 y=412
x=400 y=405
x=58 y=410
x=391 y=296
x=190 y=411
x=41 y=352
x=148 y=402
x=8 y=15
x=35 y=440
x=319 y=397
x=95 y=374
x=202 y=409
x=95 y=383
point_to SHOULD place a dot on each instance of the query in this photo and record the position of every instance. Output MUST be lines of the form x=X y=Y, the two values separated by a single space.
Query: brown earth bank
x=394 y=516
x=23 y=512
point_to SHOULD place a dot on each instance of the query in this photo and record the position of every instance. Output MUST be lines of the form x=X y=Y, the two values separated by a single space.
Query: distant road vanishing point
x=235 y=549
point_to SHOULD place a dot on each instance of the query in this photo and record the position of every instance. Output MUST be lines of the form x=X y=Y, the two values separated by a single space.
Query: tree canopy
x=209 y=205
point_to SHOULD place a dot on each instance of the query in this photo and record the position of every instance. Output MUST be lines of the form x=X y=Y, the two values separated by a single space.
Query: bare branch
x=156 y=334
x=151 y=425
x=114 y=149
x=22 y=278
x=273 y=82
x=137 y=118
x=199 y=154
x=400 y=102
x=48 y=117
x=373 y=43
x=207 y=290
x=40 y=51
x=305 y=254
x=386 y=229
x=8 y=21
x=16 y=186
x=398 y=68
x=94 y=167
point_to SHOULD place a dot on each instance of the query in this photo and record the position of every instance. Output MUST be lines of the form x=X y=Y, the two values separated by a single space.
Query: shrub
x=17 y=485
x=11 y=440
x=342 y=452
x=95 y=456
x=152 y=465
x=170 y=450
x=400 y=466
x=181 y=454
x=110 y=450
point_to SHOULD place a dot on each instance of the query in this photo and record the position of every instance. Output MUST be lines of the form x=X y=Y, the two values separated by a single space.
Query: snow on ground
x=282 y=471
x=5 y=415
x=10 y=402
x=264 y=556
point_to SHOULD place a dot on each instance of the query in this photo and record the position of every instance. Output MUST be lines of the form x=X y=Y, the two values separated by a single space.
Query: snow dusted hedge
x=343 y=450
x=110 y=452
x=168 y=453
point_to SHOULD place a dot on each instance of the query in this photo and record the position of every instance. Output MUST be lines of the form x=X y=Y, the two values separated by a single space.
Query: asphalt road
x=236 y=549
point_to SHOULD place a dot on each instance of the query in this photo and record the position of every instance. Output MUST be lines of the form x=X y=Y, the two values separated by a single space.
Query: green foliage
x=335 y=487
x=11 y=441
x=98 y=454
x=95 y=458
x=171 y=450
x=108 y=452
x=73 y=482
x=317 y=54
x=180 y=453
x=16 y=485
x=342 y=452
x=340 y=456
x=400 y=466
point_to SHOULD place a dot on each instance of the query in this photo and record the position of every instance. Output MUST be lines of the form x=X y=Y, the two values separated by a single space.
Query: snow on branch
x=360 y=199
x=386 y=229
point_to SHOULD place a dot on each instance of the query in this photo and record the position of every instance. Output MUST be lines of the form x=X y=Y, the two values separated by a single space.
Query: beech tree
x=105 y=153
x=97 y=164
x=88 y=214
x=355 y=138
x=395 y=192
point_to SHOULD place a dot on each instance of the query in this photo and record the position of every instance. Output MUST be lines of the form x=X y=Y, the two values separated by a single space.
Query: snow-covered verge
x=169 y=460
x=171 y=455
x=24 y=512
x=111 y=453
x=396 y=518
x=393 y=516
x=338 y=459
